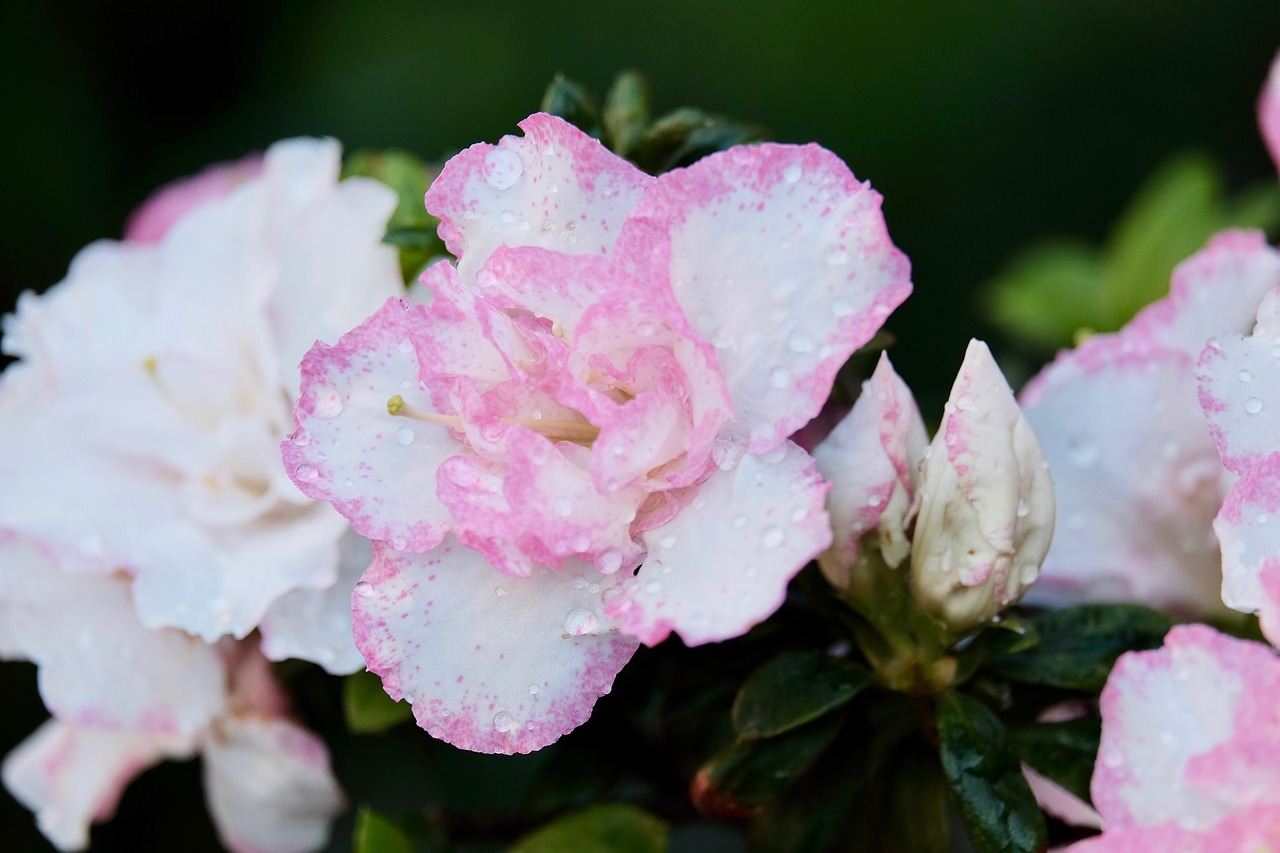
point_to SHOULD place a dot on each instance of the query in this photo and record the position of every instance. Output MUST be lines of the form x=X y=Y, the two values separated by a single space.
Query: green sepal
x=571 y=101
x=368 y=708
x=613 y=828
x=985 y=776
x=1078 y=645
x=686 y=135
x=1063 y=752
x=626 y=112
x=793 y=689
x=376 y=834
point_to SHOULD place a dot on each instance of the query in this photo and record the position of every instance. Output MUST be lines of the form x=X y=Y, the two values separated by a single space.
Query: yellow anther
x=395 y=404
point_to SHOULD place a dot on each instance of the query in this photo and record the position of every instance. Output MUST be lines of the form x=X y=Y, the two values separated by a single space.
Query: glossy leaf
x=626 y=112
x=793 y=689
x=995 y=804
x=1063 y=752
x=1079 y=645
x=368 y=708
x=571 y=101
x=375 y=834
x=686 y=135
x=615 y=828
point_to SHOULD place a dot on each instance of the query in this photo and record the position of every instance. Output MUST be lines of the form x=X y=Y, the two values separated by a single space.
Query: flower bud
x=984 y=504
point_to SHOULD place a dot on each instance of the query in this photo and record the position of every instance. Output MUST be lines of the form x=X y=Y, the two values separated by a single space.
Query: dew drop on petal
x=499 y=591
x=799 y=342
x=326 y=402
x=792 y=173
x=1023 y=509
x=836 y=256
x=364 y=589
x=307 y=473
x=723 y=338
x=799 y=514
x=1245 y=376
x=300 y=438
x=398 y=542
x=1253 y=405
x=502 y=168
x=609 y=561
x=1028 y=573
x=773 y=537
x=404 y=435
x=579 y=621
x=1083 y=452
x=669 y=541
x=779 y=377
x=579 y=582
x=653 y=587
x=739 y=521
x=1262 y=518
x=563 y=507
x=533 y=690
x=841 y=307
x=506 y=216
x=502 y=722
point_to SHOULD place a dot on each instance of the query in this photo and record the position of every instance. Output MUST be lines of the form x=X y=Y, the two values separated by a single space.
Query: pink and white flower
x=1190 y=751
x=579 y=444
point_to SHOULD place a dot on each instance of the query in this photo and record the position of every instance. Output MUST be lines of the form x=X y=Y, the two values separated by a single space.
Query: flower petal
x=871 y=458
x=491 y=663
x=554 y=187
x=723 y=563
x=269 y=786
x=349 y=450
x=780 y=258
x=1240 y=395
x=72 y=776
x=1269 y=112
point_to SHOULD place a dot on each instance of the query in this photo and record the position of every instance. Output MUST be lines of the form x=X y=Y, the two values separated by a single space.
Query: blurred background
x=986 y=126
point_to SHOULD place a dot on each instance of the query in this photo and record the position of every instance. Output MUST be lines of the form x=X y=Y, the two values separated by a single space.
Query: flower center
x=559 y=430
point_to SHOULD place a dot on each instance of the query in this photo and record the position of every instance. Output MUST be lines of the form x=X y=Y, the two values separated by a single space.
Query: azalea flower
x=580 y=443
x=1190 y=751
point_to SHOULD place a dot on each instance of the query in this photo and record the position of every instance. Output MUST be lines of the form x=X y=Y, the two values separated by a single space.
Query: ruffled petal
x=723 y=563
x=490 y=663
x=871 y=459
x=780 y=258
x=315 y=624
x=554 y=187
x=269 y=786
x=1254 y=830
x=150 y=222
x=375 y=468
x=1240 y=395
x=1190 y=732
x=1269 y=112
x=72 y=776
x=1136 y=476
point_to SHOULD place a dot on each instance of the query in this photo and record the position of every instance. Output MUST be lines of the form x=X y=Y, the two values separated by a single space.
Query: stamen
x=151 y=365
x=567 y=430
x=397 y=406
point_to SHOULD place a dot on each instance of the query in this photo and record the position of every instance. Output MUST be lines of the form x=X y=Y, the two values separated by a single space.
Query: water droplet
x=1023 y=509
x=307 y=473
x=645 y=328
x=1253 y=405
x=836 y=256
x=739 y=521
x=398 y=542
x=533 y=690
x=579 y=582
x=404 y=435
x=1245 y=376
x=1028 y=573
x=486 y=278
x=1112 y=758
x=653 y=587
x=773 y=537
x=874 y=500
x=668 y=541
x=779 y=377
x=405 y=345
x=841 y=307
x=326 y=402
x=1262 y=518
x=563 y=507
x=799 y=341
x=799 y=514
x=502 y=722
x=579 y=621
x=609 y=561
x=723 y=338
x=300 y=438
x=792 y=173
x=502 y=168
x=536 y=414
x=572 y=239
x=499 y=591
x=506 y=216
x=364 y=589
x=1083 y=452
x=699 y=502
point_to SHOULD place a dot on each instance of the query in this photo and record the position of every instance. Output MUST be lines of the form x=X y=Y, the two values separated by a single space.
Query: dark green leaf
x=919 y=808
x=626 y=112
x=411 y=229
x=746 y=774
x=991 y=794
x=793 y=689
x=1048 y=293
x=1062 y=752
x=571 y=101
x=368 y=708
x=375 y=834
x=687 y=135
x=1079 y=645
x=613 y=828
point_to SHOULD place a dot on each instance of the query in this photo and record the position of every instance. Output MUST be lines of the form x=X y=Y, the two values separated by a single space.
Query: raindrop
x=405 y=345
x=1253 y=405
x=1029 y=573
x=699 y=502
x=563 y=507
x=779 y=377
x=1083 y=452
x=506 y=216
x=500 y=592
x=645 y=328
x=404 y=435
x=792 y=173
x=579 y=582
x=723 y=338
x=502 y=168
x=300 y=438
x=307 y=473
x=594 y=588
x=799 y=514
x=579 y=621
x=739 y=521
x=800 y=342
x=1262 y=518
x=773 y=537
x=398 y=542
x=874 y=500
x=486 y=278
x=841 y=307
x=1023 y=509
x=364 y=589
x=836 y=256
x=533 y=690
x=668 y=541
x=1245 y=376
x=326 y=402
x=502 y=722
x=653 y=587
x=536 y=414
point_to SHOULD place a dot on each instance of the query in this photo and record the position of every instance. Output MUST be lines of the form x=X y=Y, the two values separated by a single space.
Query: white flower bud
x=985 y=505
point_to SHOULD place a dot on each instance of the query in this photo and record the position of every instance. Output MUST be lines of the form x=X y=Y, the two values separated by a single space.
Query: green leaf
x=995 y=804
x=686 y=135
x=368 y=708
x=744 y=775
x=402 y=172
x=1048 y=293
x=571 y=101
x=615 y=828
x=626 y=112
x=919 y=810
x=793 y=689
x=1079 y=645
x=1063 y=752
x=375 y=834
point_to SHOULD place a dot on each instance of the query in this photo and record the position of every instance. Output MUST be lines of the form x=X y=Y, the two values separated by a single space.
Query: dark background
x=984 y=124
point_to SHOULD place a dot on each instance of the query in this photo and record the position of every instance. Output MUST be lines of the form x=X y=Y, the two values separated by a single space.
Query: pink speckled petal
x=98 y=665
x=1190 y=732
x=491 y=663
x=1253 y=830
x=376 y=469
x=1136 y=476
x=1269 y=112
x=72 y=776
x=315 y=624
x=1248 y=528
x=554 y=187
x=1240 y=394
x=723 y=563
x=780 y=258
x=1215 y=291
x=871 y=458
x=1061 y=803
x=269 y=786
